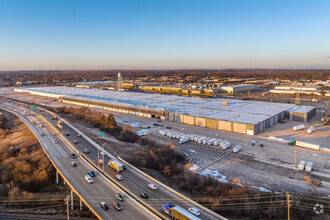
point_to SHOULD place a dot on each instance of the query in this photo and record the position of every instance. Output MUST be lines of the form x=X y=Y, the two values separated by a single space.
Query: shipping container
x=298 y=127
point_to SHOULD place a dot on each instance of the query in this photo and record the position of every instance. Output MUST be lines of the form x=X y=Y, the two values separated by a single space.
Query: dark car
x=261 y=145
x=86 y=151
x=42 y=134
x=79 y=135
x=73 y=164
x=124 y=167
x=42 y=126
x=67 y=134
x=75 y=141
x=117 y=206
x=104 y=206
x=119 y=197
x=144 y=195
x=73 y=155
x=168 y=127
x=91 y=173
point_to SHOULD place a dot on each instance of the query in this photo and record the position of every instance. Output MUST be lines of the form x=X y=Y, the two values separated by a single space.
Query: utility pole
x=295 y=157
x=288 y=201
x=67 y=200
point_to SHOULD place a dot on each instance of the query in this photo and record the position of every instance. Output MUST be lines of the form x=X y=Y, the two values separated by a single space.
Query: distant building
x=291 y=89
x=237 y=88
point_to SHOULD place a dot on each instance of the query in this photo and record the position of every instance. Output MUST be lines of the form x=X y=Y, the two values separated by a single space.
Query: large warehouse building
x=245 y=117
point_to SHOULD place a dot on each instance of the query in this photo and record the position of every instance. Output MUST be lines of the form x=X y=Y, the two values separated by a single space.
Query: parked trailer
x=309 y=166
x=184 y=139
x=310 y=130
x=225 y=145
x=206 y=140
x=217 y=142
x=237 y=148
x=301 y=165
x=200 y=140
x=209 y=142
x=298 y=127
x=308 y=145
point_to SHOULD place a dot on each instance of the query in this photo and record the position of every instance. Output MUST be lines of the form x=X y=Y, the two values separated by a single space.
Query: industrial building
x=307 y=90
x=238 y=88
x=245 y=117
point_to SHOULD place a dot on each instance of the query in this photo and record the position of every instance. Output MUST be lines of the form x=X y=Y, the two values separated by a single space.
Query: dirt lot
x=272 y=167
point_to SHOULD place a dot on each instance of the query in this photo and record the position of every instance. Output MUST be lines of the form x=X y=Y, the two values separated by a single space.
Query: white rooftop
x=249 y=112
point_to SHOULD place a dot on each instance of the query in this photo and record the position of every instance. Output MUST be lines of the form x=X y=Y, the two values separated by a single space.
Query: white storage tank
x=309 y=166
x=310 y=130
x=301 y=165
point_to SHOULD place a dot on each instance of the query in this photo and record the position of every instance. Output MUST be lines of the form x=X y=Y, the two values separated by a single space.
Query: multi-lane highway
x=134 y=182
x=101 y=190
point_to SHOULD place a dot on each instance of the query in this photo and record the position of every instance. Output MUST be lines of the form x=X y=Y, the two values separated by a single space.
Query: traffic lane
x=96 y=188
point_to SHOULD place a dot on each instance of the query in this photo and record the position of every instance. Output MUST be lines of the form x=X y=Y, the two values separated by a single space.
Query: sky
x=164 y=34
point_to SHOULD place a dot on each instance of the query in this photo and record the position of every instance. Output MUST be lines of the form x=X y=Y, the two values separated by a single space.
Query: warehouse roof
x=249 y=112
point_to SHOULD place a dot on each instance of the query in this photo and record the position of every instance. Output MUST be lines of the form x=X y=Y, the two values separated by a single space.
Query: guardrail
x=65 y=179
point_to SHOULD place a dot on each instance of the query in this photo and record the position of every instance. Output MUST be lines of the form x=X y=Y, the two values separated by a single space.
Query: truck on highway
x=176 y=212
x=59 y=125
x=116 y=165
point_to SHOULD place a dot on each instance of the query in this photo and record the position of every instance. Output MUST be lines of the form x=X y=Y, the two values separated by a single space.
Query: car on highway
x=152 y=186
x=119 y=197
x=91 y=173
x=86 y=151
x=42 y=126
x=79 y=135
x=117 y=206
x=75 y=142
x=102 y=153
x=54 y=142
x=89 y=179
x=194 y=211
x=104 y=206
x=124 y=167
x=67 y=134
x=119 y=177
x=42 y=134
x=168 y=127
x=54 y=134
x=73 y=155
x=144 y=195
x=185 y=154
x=73 y=164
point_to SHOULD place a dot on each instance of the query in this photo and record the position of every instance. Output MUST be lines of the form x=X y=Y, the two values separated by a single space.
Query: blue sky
x=164 y=34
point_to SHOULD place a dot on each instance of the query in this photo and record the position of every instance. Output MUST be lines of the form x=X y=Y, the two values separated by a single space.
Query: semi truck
x=116 y=165
x=59 y=125
x=176 y=212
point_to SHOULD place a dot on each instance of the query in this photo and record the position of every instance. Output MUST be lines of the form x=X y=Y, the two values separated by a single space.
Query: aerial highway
x=59 y=152
x=133 y=182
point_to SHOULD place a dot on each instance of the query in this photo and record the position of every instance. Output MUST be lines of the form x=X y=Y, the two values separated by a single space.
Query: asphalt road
x=133 y=181
x=101 y=190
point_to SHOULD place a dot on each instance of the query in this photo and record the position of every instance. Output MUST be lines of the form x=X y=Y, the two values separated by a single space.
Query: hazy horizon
x=164 y=35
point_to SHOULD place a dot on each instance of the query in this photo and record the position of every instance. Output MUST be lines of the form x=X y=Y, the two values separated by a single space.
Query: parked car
x=144 y=195
x=117 y=206
x=89 y=179
x=73 y=164
x=119 y=197
x=104 y=206
x=119 y=177
x=86 y=151
x=194 y=211
x=91 y=173
x=73 y=155
x=152 y=186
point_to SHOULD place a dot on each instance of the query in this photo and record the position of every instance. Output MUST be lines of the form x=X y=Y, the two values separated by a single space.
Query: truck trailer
x=116 y=165
x=176 y=212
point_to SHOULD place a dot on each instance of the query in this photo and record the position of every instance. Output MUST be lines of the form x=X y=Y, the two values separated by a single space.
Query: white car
x=102 y=153
x=152 y=186
x=119 y=177
x=54 y=142
x=89 y=179
x=194 y=211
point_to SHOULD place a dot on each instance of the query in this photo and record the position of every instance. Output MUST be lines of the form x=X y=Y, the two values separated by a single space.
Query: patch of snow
x=262 y=189
x=194 y=168
x=192 y=151
x=214 y=174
